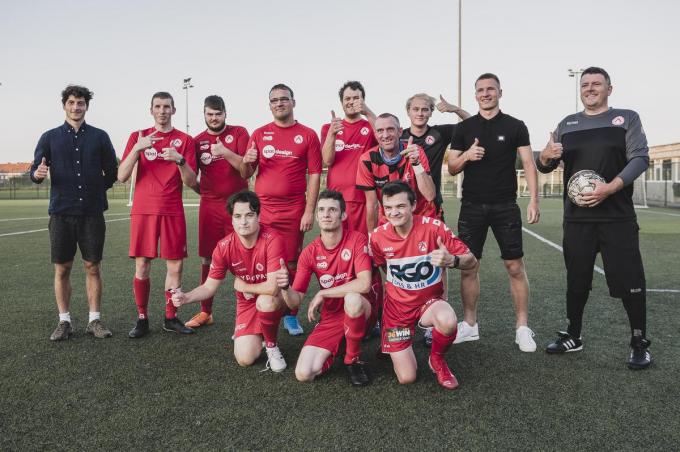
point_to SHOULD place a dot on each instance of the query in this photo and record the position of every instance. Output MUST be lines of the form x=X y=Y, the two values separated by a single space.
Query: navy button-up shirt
x=82 y=167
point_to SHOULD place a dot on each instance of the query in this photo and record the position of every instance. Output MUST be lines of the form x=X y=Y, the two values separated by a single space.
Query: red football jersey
x=373 y=173
x=158 y=184
x=251 y=265
x=410 y=277
x=350 y=143
x=219 y=179
x=285 y=156
x=333 y=267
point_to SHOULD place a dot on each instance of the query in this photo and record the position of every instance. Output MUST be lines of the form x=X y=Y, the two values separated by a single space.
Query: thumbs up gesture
x=412 y=151
x=336 y=124
x=219 y=148
x=251 y=155
x=41 y=171
x=446 y=107
x=475 y=152
x=553 y=150
x=441 y=256
x=282 y=276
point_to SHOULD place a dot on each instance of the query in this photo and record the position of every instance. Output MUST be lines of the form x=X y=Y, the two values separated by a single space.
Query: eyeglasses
x=282 y=100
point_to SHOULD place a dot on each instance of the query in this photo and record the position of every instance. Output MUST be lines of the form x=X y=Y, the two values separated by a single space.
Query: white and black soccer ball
x=580 y=183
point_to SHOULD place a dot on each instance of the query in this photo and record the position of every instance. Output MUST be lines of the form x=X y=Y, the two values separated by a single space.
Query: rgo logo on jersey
x=413 y=273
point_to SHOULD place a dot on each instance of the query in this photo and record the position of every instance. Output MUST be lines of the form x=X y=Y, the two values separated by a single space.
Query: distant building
x=10 y=170
x=663 y=175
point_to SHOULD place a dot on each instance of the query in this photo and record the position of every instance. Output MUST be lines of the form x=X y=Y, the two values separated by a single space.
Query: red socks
x=355 y=328
x=141 y=288
x=440 y=344
x=170 y=309
x=269 y=322
x=206 y=305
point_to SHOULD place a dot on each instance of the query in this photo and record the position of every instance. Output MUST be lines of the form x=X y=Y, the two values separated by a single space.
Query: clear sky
x=124 y=51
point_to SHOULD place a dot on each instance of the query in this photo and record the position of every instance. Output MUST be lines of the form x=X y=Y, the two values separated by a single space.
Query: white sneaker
x=524 y=337
x=275 y=360
x=466 y=332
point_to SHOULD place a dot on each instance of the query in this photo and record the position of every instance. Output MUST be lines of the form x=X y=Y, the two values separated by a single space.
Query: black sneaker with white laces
x=564 y=343
x=176 y=326
x=358 y=374
x=639 y=358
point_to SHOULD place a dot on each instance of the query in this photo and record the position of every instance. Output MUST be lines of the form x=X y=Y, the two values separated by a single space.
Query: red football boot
x=444 y=375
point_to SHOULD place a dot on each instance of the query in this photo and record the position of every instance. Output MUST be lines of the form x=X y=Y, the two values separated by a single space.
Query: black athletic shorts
x=620 y=248
x=84 y=231
x=505 y=220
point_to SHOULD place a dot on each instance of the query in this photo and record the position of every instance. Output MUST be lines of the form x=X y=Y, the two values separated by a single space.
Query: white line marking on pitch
x=42 y=230
x=659 y=213
x=597 y=268
x=44 y=218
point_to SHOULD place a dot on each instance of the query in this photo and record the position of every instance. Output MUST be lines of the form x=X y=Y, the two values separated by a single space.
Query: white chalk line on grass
x=44 y=218
x=597 y=268
x=45 y=229
x=659 y=213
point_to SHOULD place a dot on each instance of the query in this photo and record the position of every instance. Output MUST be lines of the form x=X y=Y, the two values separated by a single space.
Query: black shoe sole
x=633 y=366
x=562 y=352
x=170 y=330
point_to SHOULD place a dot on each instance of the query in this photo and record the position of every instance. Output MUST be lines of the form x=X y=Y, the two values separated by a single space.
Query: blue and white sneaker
x=292 y=325
x=427 y=337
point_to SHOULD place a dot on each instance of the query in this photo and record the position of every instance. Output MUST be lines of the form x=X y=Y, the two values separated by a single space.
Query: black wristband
x=456 y=261
x=181 y=161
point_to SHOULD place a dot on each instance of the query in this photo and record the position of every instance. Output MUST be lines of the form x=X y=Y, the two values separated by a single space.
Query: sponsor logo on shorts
x=150 y=154
x=429 y=140
x=240 y=326
x=364 y=131
x=339 y=145
x=206 y=158
x=176 y=143
x=636 y=290
x=298 y=139
x=398 y=334
x=619 y=120
x=229 y=139
x=501 y=137
x=268 y=151
x=346 y=254
x=413 y=273
x=323 y=265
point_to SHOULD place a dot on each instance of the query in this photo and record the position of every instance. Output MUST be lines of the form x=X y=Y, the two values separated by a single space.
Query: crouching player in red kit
x=339 y=259
x=414 y=251
x=255 y=257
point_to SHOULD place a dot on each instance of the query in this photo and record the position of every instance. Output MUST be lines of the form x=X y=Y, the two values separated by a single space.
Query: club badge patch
x=229 y=139
x=298 y=139
x=618 y=121
x=364 y=131
x=429 y=140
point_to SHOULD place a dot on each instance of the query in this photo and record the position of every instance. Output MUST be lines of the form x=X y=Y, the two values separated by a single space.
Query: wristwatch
x=181 y=161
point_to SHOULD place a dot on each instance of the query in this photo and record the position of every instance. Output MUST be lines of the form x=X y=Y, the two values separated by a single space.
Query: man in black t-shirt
x=612 y=143
x=433 y=139
x=485 y=147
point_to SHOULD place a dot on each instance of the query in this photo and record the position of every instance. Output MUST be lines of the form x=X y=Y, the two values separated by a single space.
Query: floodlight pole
x=576 y=75
x=187 y=84
x=459 y=177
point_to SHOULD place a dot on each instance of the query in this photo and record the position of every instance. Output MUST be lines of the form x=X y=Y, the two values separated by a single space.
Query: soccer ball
x=580 y=183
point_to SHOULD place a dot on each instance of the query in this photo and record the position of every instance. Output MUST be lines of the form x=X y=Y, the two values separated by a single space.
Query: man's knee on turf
x=445 y=321
x=304 y=372
x=92 y=268
x=174 y=268
x=470 y=273
x=515 y=268
x=406 y=376
x=354 y=304
x=142 y=267
x=63 y=271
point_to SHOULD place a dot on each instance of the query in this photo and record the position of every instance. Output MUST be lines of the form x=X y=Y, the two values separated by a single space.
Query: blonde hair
x=427 y=98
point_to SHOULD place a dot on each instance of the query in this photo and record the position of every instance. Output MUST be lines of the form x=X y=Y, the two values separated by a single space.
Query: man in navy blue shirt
x=81 y=163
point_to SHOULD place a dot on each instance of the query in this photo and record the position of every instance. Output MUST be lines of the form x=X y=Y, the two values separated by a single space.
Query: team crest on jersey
x=268 y=151
x=176 y=143
x=618 y=121
x=429 y=140
x=346 y=254
x=229 y=139
x=413 y=273
x=323 y=265
x=364 y=131
x=206 y=158
x=150 y=154
x=326 y=281
x=422 y=247
x=298 y=139
x=339 y=145
x=259 y=267
x=501 y=137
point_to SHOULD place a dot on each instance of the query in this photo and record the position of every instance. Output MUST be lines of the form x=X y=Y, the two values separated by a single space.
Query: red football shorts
x=399 y=321
x=329 y=333
x=214 y=222
x=146 y=230
x=356 y=217
x=285 y=220
x=247 y=322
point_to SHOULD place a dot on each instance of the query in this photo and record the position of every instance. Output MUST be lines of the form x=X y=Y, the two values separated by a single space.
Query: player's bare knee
x=142 y=268
x=266 y=303
x=354 y=305
x=406 y=378
x=470 y=273
x=515 y=268
x=92 y=268
x=63 y=271
x=445 y=322
x=304 y=374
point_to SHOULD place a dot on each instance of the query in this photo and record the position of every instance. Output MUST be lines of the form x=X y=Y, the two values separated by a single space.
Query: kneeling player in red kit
x=255 y=257
x=347 y=300
x=414 y=251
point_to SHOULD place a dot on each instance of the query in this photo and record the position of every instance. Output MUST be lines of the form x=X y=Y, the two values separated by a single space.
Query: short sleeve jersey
x=434 y=142
x=219 y=179
x=158 y=184
x=492 y=179
x=350 y=143
x=410 y=277
x=333 y=267
x=285 y=156
x=249 y=264
x=373 y=173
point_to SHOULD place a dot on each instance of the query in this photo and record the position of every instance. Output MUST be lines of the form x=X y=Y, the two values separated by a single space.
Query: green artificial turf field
x=172 y=392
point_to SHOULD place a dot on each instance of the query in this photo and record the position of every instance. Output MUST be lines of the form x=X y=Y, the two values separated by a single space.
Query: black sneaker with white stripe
x=565 y=343
x=639 y=358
